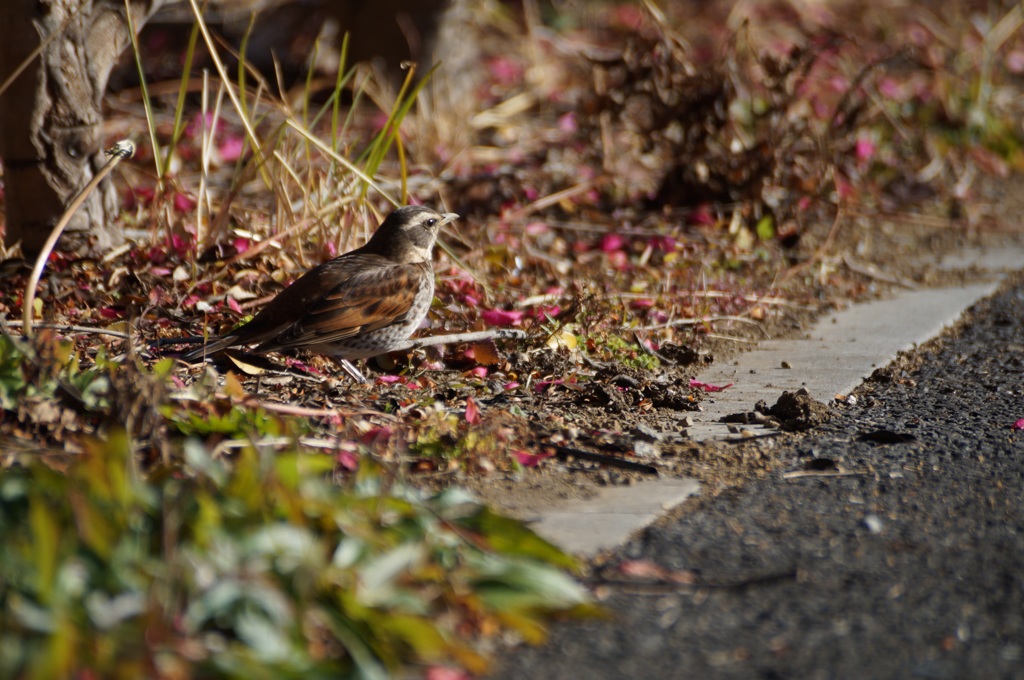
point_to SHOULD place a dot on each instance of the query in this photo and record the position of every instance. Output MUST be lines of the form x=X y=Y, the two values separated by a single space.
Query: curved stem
x=121 y=150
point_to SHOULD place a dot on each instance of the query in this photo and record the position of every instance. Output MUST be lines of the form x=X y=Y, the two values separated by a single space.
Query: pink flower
x=1019 y=425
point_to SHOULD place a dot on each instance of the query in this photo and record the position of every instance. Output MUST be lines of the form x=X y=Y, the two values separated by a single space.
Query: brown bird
x=358 y=305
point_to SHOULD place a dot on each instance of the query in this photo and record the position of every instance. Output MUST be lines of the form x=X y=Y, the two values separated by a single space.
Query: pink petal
x=446 y=673
x=707 y=387
x=183 y=203
x=865 y=149
x=890 y=88
x=843 y=186
x=472 y=411
x=347 y=460
x=387 y=379
x=511 y=385
x=1019 y=425
x=501 y=317
x=642 y=569
x=541 y=385
x=231 y=148
x=618 y=260
x=544 y=311
x=530 y=459
x=233 y=304
x=377 y=435
x=612 y=242
x=505 y=71
x=702 y=215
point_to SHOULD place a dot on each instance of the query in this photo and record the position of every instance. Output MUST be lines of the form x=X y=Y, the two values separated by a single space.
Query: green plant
x=262 y=568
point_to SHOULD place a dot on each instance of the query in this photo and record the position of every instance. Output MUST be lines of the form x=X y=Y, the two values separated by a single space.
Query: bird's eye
x=431 y=222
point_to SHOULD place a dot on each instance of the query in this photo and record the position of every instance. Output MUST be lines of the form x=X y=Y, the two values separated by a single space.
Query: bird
x=358 y=305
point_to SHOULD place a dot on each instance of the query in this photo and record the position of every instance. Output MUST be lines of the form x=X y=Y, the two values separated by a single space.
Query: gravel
x=905 y=560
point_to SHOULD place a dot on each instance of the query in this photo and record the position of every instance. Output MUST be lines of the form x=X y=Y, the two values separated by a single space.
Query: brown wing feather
x=364 y=301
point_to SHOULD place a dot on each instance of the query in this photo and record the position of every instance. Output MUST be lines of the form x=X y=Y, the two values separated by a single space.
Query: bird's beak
x=448 y=218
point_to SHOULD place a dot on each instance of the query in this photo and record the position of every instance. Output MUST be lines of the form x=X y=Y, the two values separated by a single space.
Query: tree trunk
x=50 y=117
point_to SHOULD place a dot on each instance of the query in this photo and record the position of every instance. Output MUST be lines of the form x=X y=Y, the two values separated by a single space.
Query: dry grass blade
x=120 y=151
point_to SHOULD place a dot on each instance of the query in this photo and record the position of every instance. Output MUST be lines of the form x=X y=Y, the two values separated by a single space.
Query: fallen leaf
x=472 y=411
x=501 y=317
x=708 y=387
x=530 y=459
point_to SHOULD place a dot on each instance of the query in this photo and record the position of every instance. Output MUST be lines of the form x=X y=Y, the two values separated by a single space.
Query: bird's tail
x=215 y=346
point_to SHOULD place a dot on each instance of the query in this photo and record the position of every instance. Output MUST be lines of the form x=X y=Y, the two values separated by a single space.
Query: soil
x=900 y=252
x=584 y=424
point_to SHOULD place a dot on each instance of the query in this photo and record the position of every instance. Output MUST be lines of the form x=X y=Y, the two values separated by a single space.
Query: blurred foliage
x=257 y=567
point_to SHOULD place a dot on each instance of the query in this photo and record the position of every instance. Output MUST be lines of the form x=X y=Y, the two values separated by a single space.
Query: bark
x=51 y=116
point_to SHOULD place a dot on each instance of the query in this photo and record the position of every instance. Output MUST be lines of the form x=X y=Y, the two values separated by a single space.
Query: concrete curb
x=835 y=356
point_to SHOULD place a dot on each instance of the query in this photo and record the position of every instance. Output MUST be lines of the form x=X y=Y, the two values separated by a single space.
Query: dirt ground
x=626 y=425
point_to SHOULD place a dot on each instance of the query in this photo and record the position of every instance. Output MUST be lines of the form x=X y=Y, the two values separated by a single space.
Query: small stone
x=644 y=449
x=873 y=523
x=648 y=432
x=786 y=364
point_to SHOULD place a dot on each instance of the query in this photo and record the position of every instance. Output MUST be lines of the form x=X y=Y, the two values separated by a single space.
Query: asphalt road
x=909 y=564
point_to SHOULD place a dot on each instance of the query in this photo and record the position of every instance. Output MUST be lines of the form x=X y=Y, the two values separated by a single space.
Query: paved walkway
x=894 y=548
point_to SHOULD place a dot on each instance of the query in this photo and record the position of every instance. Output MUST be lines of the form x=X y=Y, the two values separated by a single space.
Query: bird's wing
x=364 y=299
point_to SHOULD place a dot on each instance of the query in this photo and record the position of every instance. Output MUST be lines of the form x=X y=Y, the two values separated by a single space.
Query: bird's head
x=408 y=234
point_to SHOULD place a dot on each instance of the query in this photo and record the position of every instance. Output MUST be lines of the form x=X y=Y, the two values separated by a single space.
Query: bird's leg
x=352 y=371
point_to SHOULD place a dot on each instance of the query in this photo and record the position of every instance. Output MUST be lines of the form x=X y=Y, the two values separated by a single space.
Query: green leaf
x=512 y=537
